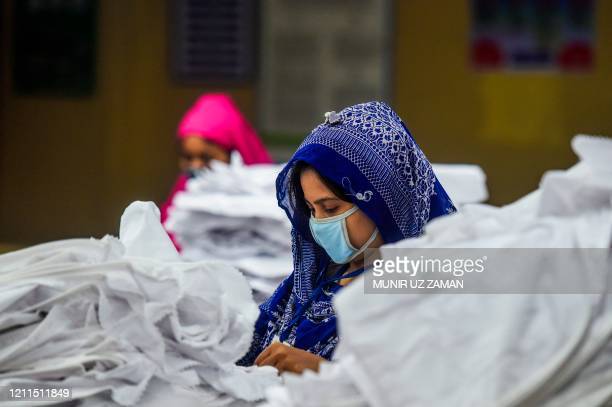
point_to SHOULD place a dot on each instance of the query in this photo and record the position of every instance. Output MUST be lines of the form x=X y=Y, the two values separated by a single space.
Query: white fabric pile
x=230 y=213
x=464 y=183
x=125 y=322
x=483 y=349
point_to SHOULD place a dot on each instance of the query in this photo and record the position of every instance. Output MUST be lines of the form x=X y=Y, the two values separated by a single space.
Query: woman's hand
x=288 y=359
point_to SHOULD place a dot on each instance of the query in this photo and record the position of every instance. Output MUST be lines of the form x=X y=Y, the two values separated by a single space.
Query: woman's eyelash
x=327 y=210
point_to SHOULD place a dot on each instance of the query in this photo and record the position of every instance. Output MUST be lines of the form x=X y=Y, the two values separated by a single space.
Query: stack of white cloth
x=484 y=349
x=118 y=320
x=230 y=213
x=464 y=183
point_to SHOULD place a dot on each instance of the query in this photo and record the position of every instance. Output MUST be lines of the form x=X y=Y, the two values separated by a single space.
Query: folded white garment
x=330 y=387
x=594 y=152
x=163 y=394
x=212 y=236
x=585 y=187
x=254 y=205
x=140 y=233
x=464 y=183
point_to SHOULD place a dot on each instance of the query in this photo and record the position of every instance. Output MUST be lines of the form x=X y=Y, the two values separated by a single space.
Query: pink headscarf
x=215 y=117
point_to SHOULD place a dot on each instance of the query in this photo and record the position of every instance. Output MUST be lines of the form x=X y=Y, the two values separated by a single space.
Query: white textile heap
x=230 y=213
x=464 y=183
x=484 y=349
x=120 y=320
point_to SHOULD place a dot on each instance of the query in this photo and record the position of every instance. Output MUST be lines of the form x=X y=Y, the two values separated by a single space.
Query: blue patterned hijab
x=366 y=150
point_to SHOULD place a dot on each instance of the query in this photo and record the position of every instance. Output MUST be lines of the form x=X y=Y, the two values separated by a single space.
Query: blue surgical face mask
x=331 y=235
x=194 y=172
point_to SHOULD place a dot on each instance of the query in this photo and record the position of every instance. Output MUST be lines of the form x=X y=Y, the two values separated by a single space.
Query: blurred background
x=92 y=90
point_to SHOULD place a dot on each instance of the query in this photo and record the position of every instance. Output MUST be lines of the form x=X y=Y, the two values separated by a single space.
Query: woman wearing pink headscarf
x=210 y=130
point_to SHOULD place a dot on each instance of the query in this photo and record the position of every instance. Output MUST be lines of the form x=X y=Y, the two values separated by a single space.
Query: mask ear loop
x=363 y=247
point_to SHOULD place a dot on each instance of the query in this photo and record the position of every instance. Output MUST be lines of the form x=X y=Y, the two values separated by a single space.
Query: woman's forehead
x=194 y=142
x=313 y=186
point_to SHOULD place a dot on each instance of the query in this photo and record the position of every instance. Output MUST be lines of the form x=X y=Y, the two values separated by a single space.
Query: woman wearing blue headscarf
x=359 y=180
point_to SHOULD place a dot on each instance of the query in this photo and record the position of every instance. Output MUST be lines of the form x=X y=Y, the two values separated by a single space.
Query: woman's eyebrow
x=326 y=198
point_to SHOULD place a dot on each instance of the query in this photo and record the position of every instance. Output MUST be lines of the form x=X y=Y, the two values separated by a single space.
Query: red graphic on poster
x=533 y=34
